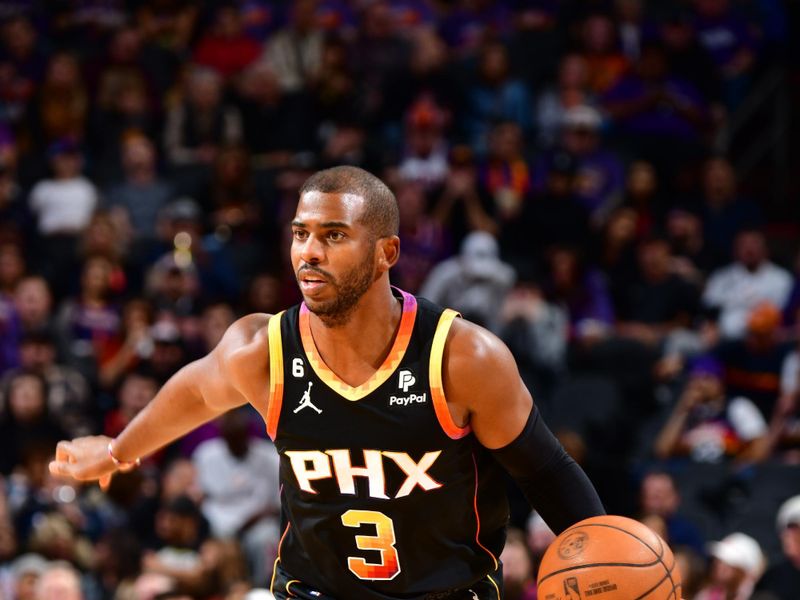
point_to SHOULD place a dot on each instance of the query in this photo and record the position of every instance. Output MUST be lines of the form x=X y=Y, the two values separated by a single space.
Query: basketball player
x=391 y=417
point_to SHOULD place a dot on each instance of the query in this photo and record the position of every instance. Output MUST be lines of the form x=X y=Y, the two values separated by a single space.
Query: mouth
x=310 y=281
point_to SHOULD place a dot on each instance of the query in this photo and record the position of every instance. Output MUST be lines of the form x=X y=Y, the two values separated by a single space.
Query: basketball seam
x=659 y=557
x=610 y=564
x=655 y=587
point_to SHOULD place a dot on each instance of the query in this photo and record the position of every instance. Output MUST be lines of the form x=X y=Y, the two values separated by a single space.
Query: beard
x=349 y=290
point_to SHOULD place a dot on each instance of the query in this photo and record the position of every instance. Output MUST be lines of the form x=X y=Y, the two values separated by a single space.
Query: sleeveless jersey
x=383 y=495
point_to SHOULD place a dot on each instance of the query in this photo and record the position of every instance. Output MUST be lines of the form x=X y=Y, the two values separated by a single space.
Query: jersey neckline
x=390 y=363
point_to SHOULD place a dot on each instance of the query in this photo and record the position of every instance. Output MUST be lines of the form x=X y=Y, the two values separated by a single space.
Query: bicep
x=481 y=375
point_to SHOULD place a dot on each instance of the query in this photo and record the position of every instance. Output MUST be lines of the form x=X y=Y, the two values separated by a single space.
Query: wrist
x=120 y=464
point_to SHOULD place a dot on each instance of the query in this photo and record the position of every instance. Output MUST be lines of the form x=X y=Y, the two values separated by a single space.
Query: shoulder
x=475 y=359
x=243 y=349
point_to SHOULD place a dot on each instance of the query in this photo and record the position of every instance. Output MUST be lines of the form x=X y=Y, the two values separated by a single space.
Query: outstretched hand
x=85 y=459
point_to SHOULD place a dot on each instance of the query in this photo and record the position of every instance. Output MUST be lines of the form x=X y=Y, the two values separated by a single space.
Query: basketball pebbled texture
x=608 y=558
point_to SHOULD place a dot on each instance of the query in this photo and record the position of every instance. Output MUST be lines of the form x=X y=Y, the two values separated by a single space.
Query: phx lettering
x=313 y=465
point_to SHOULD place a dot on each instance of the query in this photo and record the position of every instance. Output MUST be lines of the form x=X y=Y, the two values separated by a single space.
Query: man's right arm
x=234 y=373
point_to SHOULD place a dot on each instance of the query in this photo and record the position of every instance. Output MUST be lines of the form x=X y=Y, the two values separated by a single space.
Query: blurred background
x=608 y=185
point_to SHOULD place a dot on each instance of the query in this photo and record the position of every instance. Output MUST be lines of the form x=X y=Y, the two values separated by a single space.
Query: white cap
x=258 y=594
x=741 y=551
x=789 y=513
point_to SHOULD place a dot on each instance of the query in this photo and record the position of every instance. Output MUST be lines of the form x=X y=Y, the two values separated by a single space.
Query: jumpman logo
x=305 y=401
x=474 y=595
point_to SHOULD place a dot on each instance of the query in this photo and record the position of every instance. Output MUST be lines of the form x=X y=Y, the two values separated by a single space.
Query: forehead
x=320 y=207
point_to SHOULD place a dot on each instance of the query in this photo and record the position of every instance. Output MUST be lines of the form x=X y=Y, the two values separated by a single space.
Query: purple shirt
x=660 y=120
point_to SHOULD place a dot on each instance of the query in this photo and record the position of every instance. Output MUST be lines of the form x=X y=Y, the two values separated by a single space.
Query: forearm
x=177 y=409
x=551 y=480
x=669 y=436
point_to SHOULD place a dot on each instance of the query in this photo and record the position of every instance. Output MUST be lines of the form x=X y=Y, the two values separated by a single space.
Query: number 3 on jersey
x=383 y=541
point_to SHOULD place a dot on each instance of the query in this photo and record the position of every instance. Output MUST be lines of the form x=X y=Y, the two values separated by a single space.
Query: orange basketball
x=609 y=558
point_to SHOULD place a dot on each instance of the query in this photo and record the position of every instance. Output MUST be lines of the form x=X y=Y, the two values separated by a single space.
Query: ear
x=388 y=252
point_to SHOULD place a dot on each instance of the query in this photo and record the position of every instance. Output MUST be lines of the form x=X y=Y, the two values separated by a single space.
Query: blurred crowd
x=560 y=178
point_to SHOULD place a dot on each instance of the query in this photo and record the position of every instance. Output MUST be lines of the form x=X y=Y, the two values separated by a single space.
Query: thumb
x=105 y=481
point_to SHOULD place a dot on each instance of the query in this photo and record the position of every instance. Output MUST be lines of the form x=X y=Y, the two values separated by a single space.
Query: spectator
x=504 y=176
x=753 y=364
x=23 y=61
x=425 y=154
x=60 y=581
x=706 y=424
x=382 y=60
x=276 y=126
x=27 y=571
x=197 y=127
x=294 y=53
x=657 y=114
x=751 y=279
x=781 y=580
x=137 y=388
x=605 y=63
x=183 y=551
x=26 y=420
x=659 y=496
x=33 y=302
x=660 y=301
x=634 y=29
x=475 y=282
x=730 y=43
x=61 y=106
x=137 y=200
x=581 y=291
x=571 y=90
x=494 y=96
x=208 y=257
x=687 y=58
x=239 y=478
x=737 y=564
x=63 y=204
x=555 y=216
x=724 y=212
x=600 y=175
x=226 y=47
x=536 y=331
x=67 y=389
x=692 y=258
x=90 y=321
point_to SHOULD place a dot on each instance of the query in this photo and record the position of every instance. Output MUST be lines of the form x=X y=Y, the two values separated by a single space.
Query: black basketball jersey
x=383 y=495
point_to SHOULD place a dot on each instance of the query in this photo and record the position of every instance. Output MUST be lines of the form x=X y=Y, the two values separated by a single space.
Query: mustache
x=313 y=269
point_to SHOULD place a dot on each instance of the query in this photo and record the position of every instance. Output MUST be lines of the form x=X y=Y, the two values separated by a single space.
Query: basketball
x=608 y=558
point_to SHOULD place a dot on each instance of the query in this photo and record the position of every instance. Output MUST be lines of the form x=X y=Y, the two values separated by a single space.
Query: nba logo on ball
x=608 y=558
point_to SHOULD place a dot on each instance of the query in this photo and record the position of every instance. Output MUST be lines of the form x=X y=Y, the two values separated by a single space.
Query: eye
x=336 y=236
x=299 y=234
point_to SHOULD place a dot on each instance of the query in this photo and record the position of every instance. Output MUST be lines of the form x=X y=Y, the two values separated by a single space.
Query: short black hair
x=381 y=214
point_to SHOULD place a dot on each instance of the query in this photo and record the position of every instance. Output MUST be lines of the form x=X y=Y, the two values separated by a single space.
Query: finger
x=105 y=481
x=65 y=452
x=63 y=468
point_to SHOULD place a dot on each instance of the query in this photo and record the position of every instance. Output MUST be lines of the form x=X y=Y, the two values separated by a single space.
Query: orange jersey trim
x=383 y=373
x=275 y=375
x=478 y=520
x=278 y=559
x=435 y=377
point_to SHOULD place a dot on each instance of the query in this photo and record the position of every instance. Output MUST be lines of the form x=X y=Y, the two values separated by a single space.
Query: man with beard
x=390 y=416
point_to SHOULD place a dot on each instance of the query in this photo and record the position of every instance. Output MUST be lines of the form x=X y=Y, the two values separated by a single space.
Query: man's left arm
x=483 y=387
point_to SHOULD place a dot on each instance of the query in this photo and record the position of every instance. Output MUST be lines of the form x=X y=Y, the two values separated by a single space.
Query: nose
x=312 y=250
